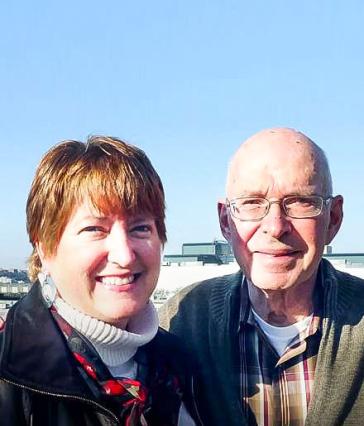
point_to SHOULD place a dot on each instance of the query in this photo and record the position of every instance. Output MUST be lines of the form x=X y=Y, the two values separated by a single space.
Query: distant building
x=349 y=260
x=328 y=250
x=13 y=290
x=218 y=252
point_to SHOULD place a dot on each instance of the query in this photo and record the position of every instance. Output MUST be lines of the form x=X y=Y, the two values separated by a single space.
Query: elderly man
x=282 y=341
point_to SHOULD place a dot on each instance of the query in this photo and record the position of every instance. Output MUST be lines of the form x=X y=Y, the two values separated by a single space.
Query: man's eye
x=251 y=203
x=300 y=201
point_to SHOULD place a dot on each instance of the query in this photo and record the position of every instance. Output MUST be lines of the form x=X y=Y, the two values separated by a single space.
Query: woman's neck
x=114 y=345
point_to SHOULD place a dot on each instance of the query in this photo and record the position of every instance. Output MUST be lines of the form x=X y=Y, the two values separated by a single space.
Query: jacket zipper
x=77 y=398
x=194 y=401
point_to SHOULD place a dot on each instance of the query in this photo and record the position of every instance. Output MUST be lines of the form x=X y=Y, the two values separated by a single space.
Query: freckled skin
x=280 y=255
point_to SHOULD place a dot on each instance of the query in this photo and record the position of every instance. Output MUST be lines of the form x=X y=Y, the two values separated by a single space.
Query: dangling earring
x=49 y=290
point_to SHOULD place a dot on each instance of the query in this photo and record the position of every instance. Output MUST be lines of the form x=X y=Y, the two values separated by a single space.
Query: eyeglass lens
x=253 y=208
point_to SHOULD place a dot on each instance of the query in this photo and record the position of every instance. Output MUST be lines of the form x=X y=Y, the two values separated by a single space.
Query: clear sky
x=187 y=81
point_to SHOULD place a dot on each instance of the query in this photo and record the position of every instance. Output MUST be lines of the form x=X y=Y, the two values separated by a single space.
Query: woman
x=83 y=347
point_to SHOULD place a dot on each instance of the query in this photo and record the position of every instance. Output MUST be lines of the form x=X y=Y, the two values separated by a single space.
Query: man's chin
x=272 y=282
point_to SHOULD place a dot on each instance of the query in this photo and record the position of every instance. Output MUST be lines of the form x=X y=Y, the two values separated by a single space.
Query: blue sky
x=187 y=81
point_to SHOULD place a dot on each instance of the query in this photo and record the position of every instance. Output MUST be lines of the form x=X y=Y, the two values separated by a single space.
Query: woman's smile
x=118 y=282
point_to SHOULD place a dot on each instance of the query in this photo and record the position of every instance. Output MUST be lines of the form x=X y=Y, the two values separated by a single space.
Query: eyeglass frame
x=324 y=202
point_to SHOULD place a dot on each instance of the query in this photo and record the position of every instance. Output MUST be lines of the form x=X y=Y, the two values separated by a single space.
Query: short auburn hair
x=113 y=175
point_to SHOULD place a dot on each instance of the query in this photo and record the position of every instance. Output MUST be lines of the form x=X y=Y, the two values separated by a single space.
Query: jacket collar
x=34 y=352
x=225 y=300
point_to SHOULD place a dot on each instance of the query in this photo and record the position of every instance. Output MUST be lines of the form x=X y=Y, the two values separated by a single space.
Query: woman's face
x=106 y=266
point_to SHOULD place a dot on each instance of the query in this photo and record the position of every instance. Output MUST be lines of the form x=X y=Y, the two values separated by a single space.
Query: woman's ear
x=40 y=250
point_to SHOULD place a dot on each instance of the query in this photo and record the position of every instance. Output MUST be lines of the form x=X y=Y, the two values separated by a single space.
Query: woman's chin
x=119 y=315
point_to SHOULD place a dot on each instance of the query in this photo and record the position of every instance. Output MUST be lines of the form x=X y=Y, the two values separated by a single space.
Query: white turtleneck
x=115 y=346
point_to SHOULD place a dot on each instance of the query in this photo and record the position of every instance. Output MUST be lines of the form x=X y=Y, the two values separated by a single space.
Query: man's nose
x=120 y=248
x=276 y=223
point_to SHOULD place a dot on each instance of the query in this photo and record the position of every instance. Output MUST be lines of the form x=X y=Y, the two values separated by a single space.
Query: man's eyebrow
x=251 y=194
x=307 y=191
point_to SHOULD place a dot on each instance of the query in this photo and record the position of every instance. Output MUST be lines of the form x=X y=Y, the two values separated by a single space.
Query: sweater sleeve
x=169 y=310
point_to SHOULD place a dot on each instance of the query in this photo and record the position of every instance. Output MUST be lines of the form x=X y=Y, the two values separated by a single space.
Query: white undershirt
x=280 y=337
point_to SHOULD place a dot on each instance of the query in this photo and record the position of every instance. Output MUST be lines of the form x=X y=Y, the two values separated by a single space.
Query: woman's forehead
x=99 y=207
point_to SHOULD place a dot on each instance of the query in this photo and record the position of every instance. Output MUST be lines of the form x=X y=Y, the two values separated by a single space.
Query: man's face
x=278 y=252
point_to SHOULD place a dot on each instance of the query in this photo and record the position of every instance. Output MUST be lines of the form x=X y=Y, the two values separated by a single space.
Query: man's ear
x=224 y=219
x=336 y=218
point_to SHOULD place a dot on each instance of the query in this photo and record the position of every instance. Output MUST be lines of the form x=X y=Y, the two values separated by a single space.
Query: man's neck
x=283 y=307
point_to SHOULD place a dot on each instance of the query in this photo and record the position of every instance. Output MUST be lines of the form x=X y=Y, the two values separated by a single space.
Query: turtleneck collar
x=114 y=345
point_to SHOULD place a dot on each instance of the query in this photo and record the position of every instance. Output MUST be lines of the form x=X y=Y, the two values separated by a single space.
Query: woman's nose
x=120 y=248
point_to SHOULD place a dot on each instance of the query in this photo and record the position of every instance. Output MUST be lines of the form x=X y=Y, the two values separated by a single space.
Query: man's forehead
x=283 y=180
x=273 y=189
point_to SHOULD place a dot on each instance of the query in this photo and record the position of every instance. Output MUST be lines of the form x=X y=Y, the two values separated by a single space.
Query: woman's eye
x=142 y=229
x=93 y=229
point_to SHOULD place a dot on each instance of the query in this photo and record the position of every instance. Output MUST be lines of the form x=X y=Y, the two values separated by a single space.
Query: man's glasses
x=295 y=206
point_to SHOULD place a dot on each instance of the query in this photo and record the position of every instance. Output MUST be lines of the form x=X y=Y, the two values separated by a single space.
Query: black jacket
x=40 y=384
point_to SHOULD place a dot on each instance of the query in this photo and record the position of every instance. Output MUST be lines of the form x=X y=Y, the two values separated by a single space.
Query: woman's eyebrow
x=93 y=217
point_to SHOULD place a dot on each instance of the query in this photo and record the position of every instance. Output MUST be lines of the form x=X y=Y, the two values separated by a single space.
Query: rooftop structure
x=217 y=252
x=350 y=260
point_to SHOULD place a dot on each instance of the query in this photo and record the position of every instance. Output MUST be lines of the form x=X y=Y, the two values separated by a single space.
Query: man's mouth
x=278 y=253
